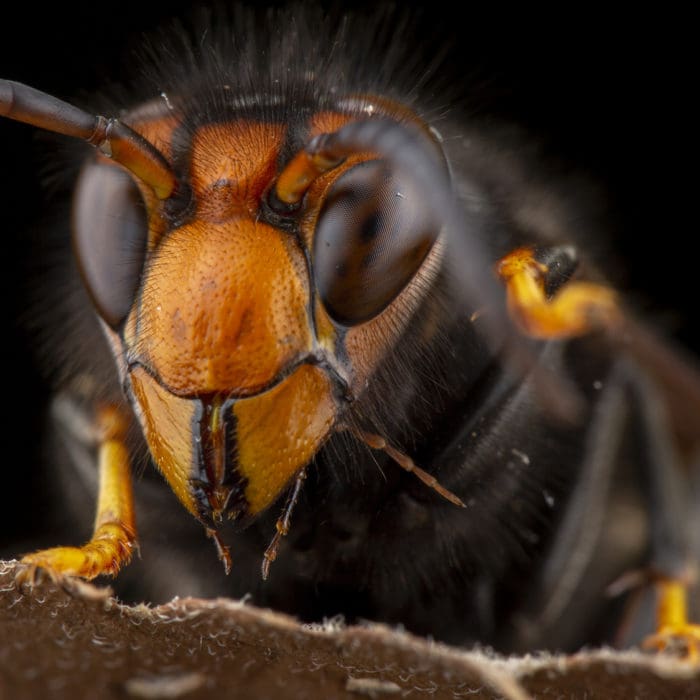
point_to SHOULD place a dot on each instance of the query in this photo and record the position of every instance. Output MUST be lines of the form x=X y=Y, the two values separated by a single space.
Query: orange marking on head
x=325 y=330
x=320 y=123
x=158 y=131
x=234 y=163
x=362 y=106
x=328 y=122
x=224 y=308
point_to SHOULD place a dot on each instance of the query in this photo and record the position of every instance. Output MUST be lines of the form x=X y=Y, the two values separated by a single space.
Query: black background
x=609 y=95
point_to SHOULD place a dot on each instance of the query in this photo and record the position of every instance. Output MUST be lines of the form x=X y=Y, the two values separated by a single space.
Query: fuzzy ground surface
x=76 y=641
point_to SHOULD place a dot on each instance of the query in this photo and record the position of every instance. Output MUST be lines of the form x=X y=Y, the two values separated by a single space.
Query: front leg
x=114 y=535
x=545 y=304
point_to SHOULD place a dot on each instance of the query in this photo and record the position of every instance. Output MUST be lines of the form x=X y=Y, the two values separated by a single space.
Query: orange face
x=235 y=370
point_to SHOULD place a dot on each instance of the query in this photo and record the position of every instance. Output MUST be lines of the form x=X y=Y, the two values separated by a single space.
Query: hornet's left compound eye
x=110 y=233
x=372 y=236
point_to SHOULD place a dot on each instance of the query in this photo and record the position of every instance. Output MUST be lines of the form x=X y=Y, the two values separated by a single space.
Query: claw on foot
x=29 y=575
x=675 y=634
x=106 y=553
x=680 y=640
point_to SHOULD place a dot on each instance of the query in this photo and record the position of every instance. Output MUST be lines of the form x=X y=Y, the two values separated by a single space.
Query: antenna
x=113 y=138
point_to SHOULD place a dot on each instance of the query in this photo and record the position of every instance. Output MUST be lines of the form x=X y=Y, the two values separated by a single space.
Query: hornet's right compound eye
x=110 y=235
x=371 y=238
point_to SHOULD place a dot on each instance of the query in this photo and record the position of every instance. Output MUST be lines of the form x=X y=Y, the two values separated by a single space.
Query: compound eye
x=110 y=233
x=372 y=236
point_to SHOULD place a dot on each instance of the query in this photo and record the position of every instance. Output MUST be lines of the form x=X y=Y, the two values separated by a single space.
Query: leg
x=574 y=308
x=582 y=560
x=114 y=535
x=582 y=557
x=282 y=524
x=544 y=304
x=222 y=550
x=670 y=496
x=674 y=631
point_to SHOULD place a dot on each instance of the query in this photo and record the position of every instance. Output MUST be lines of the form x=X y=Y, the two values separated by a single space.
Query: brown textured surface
x=82 y=643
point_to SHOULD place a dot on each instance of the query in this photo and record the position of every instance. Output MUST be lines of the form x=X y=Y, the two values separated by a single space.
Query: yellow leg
x=577 y=308
x=674 y=632
x=114 y=536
